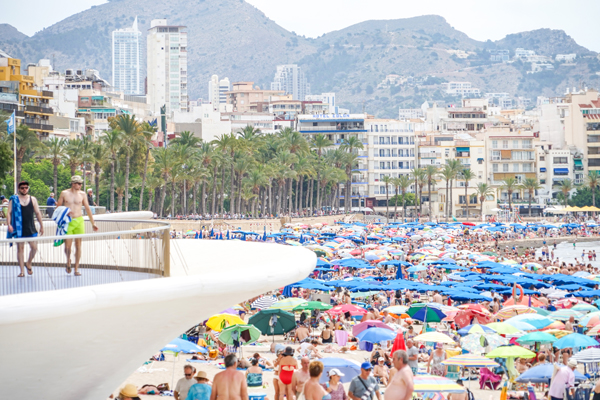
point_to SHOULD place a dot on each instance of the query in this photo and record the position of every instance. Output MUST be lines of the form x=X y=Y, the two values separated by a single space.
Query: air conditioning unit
x=79 y=72
x=69 y=72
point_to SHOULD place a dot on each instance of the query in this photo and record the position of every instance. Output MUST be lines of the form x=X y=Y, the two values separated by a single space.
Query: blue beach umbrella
x=376 y=335
x=575 y=340
x=349 y=368
x=543 y=374
x=183 y=346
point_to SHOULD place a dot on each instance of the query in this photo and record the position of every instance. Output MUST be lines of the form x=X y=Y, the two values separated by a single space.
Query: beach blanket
x=62 y=219
x=16 y=219
x=198 y=361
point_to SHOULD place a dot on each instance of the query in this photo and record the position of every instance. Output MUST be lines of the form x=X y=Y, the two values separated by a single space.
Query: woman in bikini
x=287 y=365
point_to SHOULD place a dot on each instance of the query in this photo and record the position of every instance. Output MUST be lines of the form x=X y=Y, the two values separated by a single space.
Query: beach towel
x=62 y=219
x=16 y=219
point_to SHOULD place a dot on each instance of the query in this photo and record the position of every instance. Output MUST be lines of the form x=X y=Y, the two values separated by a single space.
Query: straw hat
x=201 y=375
x=76 y=179
x=129 y=390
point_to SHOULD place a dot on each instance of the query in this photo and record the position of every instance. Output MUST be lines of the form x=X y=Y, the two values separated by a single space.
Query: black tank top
x=27 y=217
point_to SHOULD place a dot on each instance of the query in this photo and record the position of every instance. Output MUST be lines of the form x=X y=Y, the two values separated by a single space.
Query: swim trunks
x=76 y=226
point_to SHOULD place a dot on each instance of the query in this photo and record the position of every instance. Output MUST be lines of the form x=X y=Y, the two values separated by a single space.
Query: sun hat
x=335 y=371
x=76 y=179
x=129 y=390
x=288 y=351
x=366 y=366
x=201 y=374
x=381 y=359
x=572 y=362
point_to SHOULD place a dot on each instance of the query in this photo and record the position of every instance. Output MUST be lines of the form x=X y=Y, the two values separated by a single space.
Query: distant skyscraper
x=167 y=67
x=216 y=91
x=291 y=80
x=126 y=59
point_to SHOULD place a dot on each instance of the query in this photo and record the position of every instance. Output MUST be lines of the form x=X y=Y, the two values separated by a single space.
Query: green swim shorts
x=76 y=226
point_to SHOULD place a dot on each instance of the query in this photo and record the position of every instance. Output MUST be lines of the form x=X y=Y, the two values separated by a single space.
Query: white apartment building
x=167 y=67
x=126 y=59
x=328 y=98
x=464 y=89
x=217 y=91
x=290 y=78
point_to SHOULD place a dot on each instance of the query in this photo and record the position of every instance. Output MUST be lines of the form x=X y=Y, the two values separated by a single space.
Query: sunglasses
x=188 y=374
x=23 y=187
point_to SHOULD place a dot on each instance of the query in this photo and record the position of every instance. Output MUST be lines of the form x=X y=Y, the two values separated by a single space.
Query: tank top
x=27 y=219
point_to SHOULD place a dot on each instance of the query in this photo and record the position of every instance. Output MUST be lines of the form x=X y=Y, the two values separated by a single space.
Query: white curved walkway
x=81 y=343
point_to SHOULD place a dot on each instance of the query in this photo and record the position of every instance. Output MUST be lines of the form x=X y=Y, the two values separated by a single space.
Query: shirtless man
x=74 y=198
x=387 y=318
x=437 y=298
x=381 y=371
x=402 y=384
x=301 y=376
x=231 y=383
x=459 y=396
x=301 y=333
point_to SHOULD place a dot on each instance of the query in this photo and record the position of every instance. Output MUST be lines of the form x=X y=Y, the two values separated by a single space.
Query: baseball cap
x=366 y=366
x=335 y=371
x=76 y=179
x=381 y=359
x=23 y=183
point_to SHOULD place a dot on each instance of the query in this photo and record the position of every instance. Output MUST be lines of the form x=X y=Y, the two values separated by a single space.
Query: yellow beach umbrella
x=558 y=333
x=221 y=321
x=435 y=337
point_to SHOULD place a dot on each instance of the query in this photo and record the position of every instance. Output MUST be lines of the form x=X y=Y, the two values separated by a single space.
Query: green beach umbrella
x=503 y=328
x=510 y=351
x=426 y=313
x=541 y=311
x=537 y=337
x=312 y=305
x=230 y=332
x=273 y=321
x=287 y=304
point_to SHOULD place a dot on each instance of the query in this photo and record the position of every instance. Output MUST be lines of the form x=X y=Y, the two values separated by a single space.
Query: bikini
x=285 y=375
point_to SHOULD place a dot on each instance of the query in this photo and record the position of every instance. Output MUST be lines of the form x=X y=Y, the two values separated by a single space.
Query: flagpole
x=15 y=155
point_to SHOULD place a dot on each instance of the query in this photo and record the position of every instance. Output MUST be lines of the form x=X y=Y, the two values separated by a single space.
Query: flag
x=10 y=124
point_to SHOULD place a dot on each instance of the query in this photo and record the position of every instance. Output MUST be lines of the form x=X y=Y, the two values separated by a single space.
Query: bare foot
x=21 y=275
x=68 y=268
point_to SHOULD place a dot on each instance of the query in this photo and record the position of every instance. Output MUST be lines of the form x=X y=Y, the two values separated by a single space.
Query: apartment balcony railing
x=120 y=251
x=39 y=110
x=39 y=127
x=47 y=93
x=394 y=155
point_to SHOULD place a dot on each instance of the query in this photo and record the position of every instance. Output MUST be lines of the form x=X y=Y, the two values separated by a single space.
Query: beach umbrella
x=584 y=308
x=238 y=332
x=477 y=343
x=376 y=335
x=220 y=321
x=543 y=374
x=511 y=311
x=591 y=355
x=503 y=328
x=475 y=328
x=432 y=383
x=510 y=351
x=263 y=302
x=590 y=320
x=575 y=340
x=595 y=331
x=343 y=308
x=349 y=368
x=470 y=361
x=564 y=314
x=273 y=321
x=523 y=326
x=555 y=325
x=396 y=310
x=287 y=304
x=183 y=346
x=537 y=337
x=538 y=321
x=558 y=333
x=358 y=328
x=399 y=343
x=541 y=311
x=426 y=313
x=312 y=305
x=435 y=337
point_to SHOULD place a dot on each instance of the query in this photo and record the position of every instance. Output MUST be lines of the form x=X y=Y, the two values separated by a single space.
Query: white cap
x=335 y=371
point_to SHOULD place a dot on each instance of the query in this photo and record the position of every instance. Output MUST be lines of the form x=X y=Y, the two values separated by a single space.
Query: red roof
x=596 y=103
x=585 y=106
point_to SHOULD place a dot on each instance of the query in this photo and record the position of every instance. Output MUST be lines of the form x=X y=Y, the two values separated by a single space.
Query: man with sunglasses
x=75 y=199
x=28 y=207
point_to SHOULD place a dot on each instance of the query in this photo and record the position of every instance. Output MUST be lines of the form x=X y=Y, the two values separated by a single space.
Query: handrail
x=164 y=226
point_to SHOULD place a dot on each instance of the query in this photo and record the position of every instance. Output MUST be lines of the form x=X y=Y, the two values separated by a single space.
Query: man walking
x=74 y=199
x=364 y=386
x=563 y=379
x=231 y=383
x=51 y=205
x=184 y=384
x=413 y=356
x=402 y=384
x=19 y=219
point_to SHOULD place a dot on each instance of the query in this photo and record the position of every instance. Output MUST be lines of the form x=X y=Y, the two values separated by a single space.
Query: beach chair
x=453 y=372
x=488 y=378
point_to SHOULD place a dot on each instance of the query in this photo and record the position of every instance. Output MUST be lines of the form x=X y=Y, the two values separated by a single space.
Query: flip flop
x=68 y=269
x=77 y=274
x=29 y=271
x=21 y=275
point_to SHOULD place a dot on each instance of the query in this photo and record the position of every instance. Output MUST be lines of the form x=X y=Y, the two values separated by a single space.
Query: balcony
x=48 y=93
x=39 y=127
x=39 y=110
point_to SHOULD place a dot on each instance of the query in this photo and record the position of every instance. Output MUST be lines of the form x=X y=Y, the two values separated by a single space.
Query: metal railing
x=119 y=251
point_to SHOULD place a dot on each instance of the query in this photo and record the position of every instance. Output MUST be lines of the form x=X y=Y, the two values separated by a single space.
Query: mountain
x=376 y=66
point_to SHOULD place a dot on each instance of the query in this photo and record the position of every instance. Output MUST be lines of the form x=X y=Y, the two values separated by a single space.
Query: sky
x=479 y=19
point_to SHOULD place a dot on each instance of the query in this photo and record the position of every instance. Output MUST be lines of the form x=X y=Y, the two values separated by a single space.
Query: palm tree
x=467 y=174
x=187 y=138
x=456 y=167
x=510 y=184
x=319 y=143
x=565 y=187
x=97 y=156
x=349 y=145
x=592 y=180
x=75 y=154
x=419 y=177
x=404 y=182
x=431 y=172
x=55 y=150
x=388 y=181
x=27 y=140
x=447 y=173
x=112 y=143
x=153 y=182
x=483 y=190
x=131 y=130
x=531 y=185
x=165 y=164
x=147 y=131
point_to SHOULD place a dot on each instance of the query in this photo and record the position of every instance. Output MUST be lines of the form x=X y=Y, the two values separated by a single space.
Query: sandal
x=77 y=274
x=68 y=269
x=21 y=275
x=29 y=271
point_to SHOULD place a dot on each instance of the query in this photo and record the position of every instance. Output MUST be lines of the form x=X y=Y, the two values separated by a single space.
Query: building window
x=515 y=167
x=527 y=168
x=542 y=158
x=504 y=167
x=515 y=144
x=494 y=144
x=505 y=144
x=494 y=167
x=561 y=160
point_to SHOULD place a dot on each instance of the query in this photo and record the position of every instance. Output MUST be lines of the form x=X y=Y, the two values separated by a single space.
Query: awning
x=542 y=169
x=480 y=159
x=561 y=171
x=462 y=149
x=578 y=163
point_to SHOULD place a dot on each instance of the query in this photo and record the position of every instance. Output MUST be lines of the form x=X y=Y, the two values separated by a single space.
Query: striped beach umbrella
x=263 y=302
x=564 y=314
x=431 y=383
x=287 y=304
x=471 y=361
x=511 y=311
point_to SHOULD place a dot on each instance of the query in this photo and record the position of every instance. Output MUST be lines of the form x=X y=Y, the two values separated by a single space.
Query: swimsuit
x=76 y=226
x=285 y=375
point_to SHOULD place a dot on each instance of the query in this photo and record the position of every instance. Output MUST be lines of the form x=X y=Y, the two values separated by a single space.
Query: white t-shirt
x=183 y=387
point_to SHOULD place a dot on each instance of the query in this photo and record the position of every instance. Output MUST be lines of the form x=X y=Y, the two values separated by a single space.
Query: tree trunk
x=387 y=203
x=120 y=202
x=446 y=202
x=184 y=192
x=20 y=166
x=222 y=191
x=213 y=204
x=403 y=208
x=466 y=202
x=429 y=190
x=203 y=199
x=396 y=207
x=232 y=190
x=290 y=197
x=150 y=198
x=450 y=205
x=163 y=196
x=270 y=196
x=143 y=179
x=55 y=176
x=127 y=161
x=96 y=182
x=112 y=186
x=296 y=195
x=173 y=198
x=530 y=196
